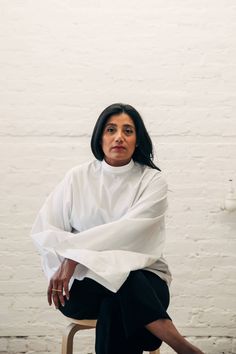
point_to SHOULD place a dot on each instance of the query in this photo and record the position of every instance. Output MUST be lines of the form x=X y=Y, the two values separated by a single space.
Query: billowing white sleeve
x=108 y=252
x=52 y=225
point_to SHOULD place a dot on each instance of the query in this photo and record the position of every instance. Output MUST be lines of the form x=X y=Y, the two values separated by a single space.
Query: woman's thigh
x=85 y=299
x=159 y=286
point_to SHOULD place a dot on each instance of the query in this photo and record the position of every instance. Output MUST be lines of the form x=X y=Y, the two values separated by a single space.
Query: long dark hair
x=144 y=150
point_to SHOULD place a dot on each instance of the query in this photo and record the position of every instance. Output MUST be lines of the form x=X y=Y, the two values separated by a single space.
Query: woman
x=101 y=233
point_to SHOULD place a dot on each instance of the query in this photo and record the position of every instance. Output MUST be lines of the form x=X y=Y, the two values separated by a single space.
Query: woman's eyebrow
x=124 y=125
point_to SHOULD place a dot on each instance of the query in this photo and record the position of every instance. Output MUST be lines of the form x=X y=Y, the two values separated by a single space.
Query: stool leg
x=68 y=336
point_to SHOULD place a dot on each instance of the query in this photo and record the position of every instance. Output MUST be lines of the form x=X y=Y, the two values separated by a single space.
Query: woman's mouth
x=119 y=148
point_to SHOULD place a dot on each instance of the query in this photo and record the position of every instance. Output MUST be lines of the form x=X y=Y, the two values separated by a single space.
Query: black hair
x=144 y=150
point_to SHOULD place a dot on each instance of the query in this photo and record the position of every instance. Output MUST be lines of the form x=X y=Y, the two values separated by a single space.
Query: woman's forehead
x=122 y=118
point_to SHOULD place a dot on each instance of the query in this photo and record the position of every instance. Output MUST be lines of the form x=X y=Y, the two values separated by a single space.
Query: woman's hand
x=59 y=283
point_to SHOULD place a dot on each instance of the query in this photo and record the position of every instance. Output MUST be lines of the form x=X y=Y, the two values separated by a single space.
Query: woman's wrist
x=71 y=261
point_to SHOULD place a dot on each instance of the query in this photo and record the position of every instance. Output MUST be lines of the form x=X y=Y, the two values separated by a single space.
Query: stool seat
x=90 y=323
x=75 y=326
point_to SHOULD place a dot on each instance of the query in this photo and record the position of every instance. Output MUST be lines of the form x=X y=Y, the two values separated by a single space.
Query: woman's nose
x=119 y=136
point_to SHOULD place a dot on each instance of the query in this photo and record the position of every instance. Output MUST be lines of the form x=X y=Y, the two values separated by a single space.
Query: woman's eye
x=128 y=131
x=110 y=130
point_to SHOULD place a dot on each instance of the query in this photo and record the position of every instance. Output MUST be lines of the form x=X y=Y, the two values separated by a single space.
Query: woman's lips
x=118 y=148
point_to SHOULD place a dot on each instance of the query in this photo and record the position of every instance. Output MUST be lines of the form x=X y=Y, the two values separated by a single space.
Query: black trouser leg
x=144 y=298
x=122 y=316
x=110 y=333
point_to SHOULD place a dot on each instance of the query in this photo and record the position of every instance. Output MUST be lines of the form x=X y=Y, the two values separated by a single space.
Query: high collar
x=117 y=169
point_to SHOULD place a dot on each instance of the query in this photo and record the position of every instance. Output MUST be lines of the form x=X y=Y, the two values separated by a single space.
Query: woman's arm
x=134 y=241
x=52 y=229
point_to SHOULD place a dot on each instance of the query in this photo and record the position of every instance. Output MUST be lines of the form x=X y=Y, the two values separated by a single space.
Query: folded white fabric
x=111 y=220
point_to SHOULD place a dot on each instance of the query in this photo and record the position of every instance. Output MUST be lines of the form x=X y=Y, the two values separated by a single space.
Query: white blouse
x=108 y=219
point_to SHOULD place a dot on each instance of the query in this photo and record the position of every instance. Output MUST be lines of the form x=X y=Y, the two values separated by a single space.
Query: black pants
x=121 y=316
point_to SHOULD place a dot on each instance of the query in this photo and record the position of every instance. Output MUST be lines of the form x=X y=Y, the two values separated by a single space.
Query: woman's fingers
x=55 y=293
x=60 y=294
x=66 y=289
x=49 y=293
x=59 y=283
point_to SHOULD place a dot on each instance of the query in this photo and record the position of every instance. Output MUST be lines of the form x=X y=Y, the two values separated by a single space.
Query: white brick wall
x=61 y=63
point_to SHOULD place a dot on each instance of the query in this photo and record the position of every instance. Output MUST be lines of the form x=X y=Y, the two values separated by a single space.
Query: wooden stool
x=75 y=326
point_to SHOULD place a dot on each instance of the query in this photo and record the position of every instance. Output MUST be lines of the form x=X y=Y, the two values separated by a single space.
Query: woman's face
x=118 y=139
